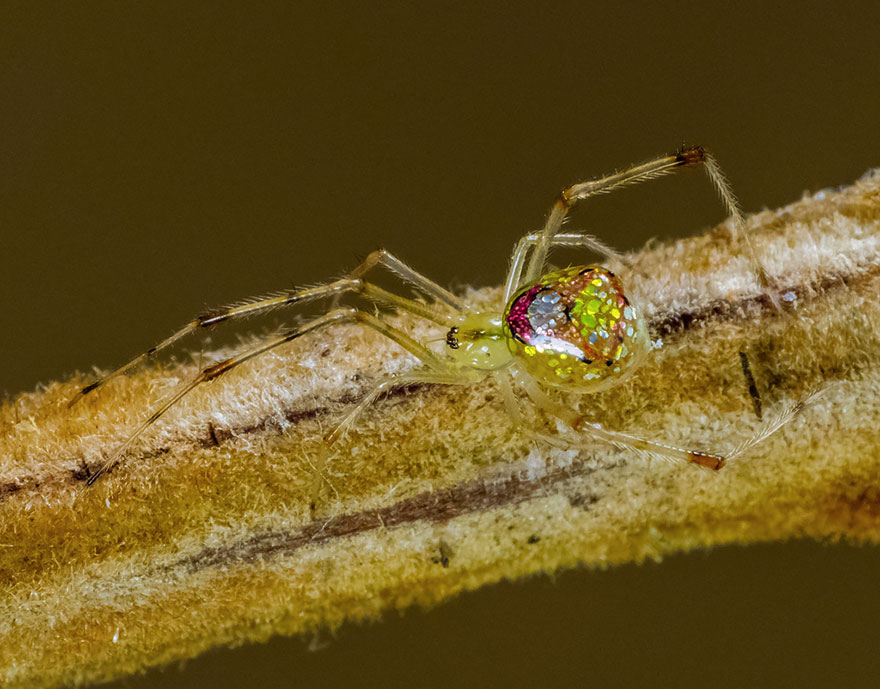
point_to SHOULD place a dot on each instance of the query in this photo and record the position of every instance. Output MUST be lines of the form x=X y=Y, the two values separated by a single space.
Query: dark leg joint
x=709 y=461
x=88 y=388
x=375 y=256
x=211 y=319
x=91 y=480
x=216 y=370
x=564 y=201
x=691 y=155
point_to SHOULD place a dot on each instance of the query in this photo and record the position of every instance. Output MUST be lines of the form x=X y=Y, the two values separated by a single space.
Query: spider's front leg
x=569 y=240
x=430 y=360
x=352 y=283
x=429 y=288
x=688 y=156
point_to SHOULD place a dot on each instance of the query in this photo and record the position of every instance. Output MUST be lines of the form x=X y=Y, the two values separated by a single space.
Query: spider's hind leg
x=589 y=433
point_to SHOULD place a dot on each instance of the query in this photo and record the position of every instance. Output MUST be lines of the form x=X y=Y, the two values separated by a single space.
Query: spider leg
x=226 y=314
x=593 y=431
x=686 y=157
x=428 y=287
x=352 y=283
x=429 y=359
x=623 y=440
x=572 y=240
x=511 y=403
x=770 y=427
x=453 y=375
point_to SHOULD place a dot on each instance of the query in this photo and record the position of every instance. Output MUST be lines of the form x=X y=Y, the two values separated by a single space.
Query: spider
x=572 y=329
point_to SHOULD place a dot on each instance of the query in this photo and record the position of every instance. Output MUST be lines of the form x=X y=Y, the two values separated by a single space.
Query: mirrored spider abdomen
x=576 y=329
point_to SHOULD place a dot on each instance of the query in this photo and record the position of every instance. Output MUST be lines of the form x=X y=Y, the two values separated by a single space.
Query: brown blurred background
x=156 y=160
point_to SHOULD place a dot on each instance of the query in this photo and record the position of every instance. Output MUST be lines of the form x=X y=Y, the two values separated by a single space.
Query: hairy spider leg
x=429 y=359
x=593 y=431
x=688 y=156
x=350 y=283
x=769 y=427
x=211 y=319
x=384 y=258
x=508 y=397
x=576 y=192
x=454 y=375
x=596 y=432
x=572 y=240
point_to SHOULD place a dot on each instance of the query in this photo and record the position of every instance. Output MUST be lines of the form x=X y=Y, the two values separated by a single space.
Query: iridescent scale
x=575 y=327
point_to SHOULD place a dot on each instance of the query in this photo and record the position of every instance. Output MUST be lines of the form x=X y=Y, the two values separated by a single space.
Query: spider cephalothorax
x=576 y=329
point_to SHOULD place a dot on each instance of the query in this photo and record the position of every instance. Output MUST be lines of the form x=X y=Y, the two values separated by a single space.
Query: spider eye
x=575 y=328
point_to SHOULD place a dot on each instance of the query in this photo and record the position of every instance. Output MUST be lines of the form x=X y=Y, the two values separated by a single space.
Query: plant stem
x=203 y=535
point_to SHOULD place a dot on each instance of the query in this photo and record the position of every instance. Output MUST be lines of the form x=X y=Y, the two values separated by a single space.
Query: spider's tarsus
x=83 y=392
x=90 y=481
x=712 y=462
x=88 y=388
